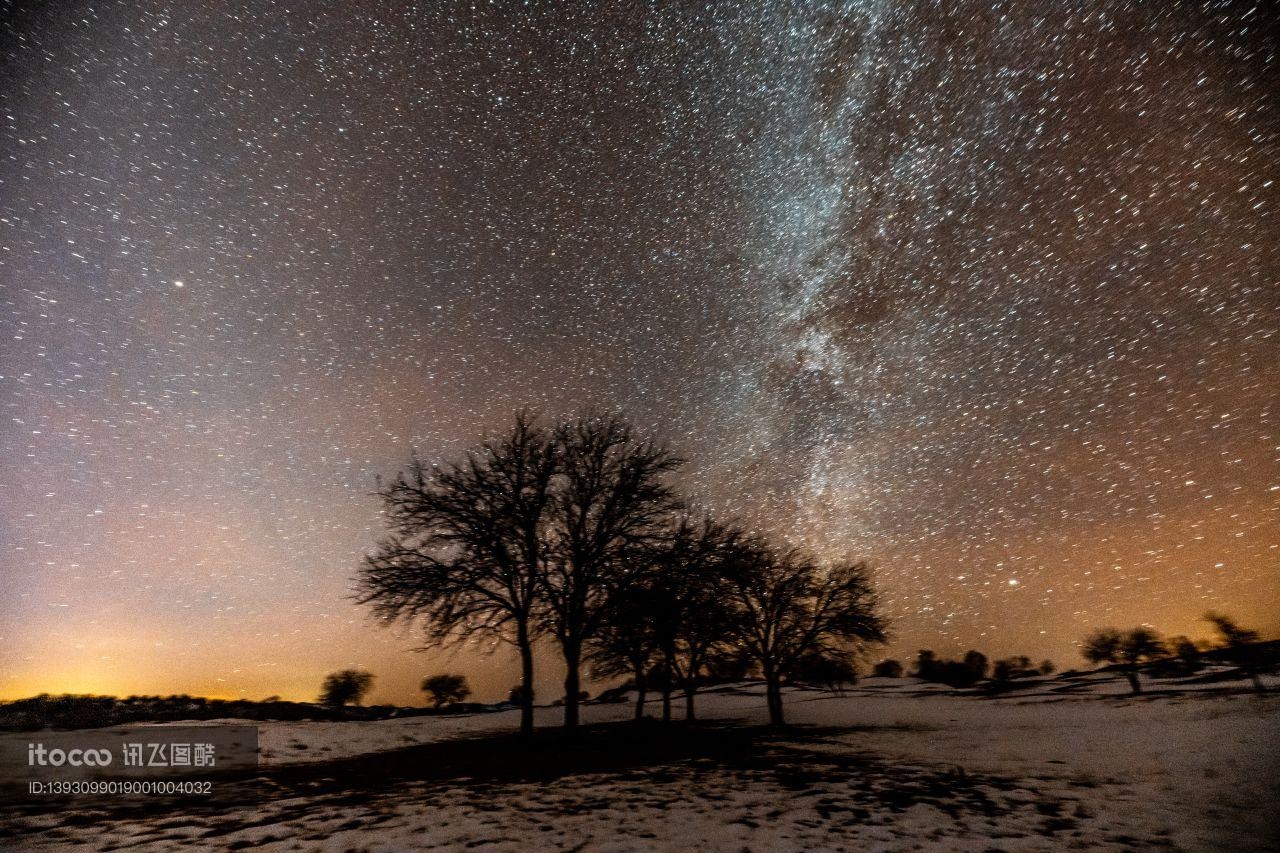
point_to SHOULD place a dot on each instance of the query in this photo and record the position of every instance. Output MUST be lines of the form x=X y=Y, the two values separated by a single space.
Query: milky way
x=987 y=294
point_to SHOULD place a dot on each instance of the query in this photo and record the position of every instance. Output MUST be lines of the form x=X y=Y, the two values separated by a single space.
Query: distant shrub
x=1184 y=649
x=347 y=687
x=954 y=673
x=975 y=666
x=1019 y=666
x=825 y=670
x=446 y=688
x=887 y=669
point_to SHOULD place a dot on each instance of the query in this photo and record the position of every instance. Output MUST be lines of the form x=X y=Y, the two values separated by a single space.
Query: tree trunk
x=666 y=690
x=572 y=685
x=773 y=694
x=526 y=678
x=691 y=683
x=641 y=689
x=1133 y=682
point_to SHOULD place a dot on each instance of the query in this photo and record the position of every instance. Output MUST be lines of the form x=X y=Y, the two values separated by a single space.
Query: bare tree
x=697 y=616
x=1102 y=646
x=347 y=687
x=1139 y=645
x=606 y=509
x=1240 y=644
x=671 y=614
x=626 y=641
x=446 y=688
x=467 y=546
x=788 y=607
x=1130 y=649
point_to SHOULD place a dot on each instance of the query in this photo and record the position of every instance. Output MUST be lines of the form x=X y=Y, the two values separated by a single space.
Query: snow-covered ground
x=894 y=764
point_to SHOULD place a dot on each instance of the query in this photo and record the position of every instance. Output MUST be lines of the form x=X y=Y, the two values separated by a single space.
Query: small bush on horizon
x=1018 y=666
x=887 y=669
x=346 y=687
x=446 y=689
x=954 y=673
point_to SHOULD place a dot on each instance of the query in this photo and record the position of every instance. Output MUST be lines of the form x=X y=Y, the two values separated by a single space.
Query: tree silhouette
x=695 y=616
x=446 y=689
x=1139 y=645
x=347 y=687
x=727 y=663
x=466 y=546
x=1130 y=649
x=825 y=670
x=1102 y=646
x=662 y=679
x=1002 y=671
x=669 y=614
x=926 y=665
x=1018 y=666
x=1240 y=644
x=626 y=641
x=888 y=669
x=954 y=673
x=606 y=510
x=788 y=607
x=1184 y=649
x=975 y=663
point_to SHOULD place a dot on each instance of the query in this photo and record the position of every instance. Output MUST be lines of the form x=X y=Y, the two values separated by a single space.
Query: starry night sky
x=987 y=294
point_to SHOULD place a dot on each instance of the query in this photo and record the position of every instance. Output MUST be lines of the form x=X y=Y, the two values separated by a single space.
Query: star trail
x=986 y=293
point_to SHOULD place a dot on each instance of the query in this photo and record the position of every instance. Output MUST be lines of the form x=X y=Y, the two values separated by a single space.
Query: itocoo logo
x=38 y=755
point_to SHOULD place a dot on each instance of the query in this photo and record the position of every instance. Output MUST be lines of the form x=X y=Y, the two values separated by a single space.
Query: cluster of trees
x=573 y=533
x=713 y=603
x=79 y=711
x=1020 y=666
x=966 y=672
x=1140 y=646
x=956 y=673
x=349 y=687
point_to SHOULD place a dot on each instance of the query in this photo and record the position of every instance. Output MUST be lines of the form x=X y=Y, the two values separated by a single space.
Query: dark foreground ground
x=938 y=774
